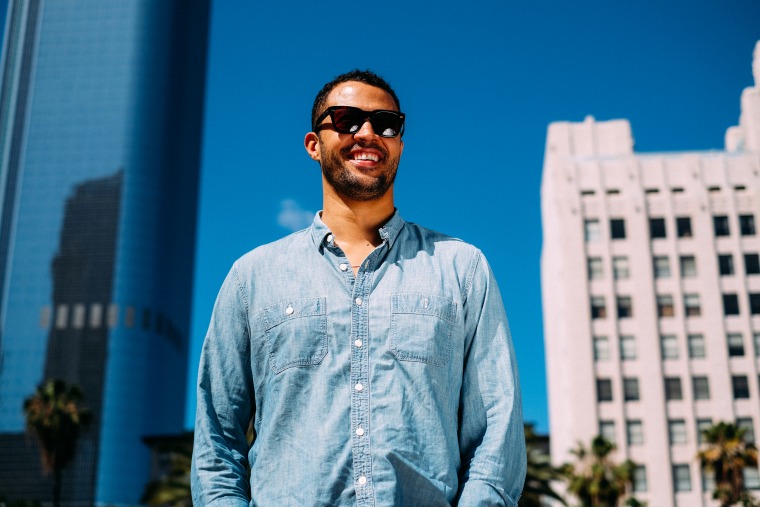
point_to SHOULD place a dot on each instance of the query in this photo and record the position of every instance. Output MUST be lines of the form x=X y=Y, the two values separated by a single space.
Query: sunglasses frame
x=368 y=115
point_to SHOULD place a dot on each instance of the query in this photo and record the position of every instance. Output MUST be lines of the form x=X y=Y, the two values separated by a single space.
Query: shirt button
x=329 y=238
x=359 y=301
x=358 y=342
x=358 y=387
x=289 y=310
x=360 y=431
x=343 y=267
x=362 y=480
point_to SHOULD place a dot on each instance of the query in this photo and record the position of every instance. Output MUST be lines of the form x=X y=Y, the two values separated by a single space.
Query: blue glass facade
x=100 y=130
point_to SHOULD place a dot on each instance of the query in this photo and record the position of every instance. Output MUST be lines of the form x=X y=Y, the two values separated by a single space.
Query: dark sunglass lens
x=347 y=120
x=386 y=123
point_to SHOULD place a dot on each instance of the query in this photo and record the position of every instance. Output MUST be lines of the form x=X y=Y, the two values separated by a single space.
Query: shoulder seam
x=470 y=275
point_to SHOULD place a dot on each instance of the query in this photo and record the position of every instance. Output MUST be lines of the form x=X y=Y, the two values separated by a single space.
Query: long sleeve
x=491 y=437
x=219 y=474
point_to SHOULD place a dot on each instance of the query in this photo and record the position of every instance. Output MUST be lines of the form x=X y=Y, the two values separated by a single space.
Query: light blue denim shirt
x=397 y=386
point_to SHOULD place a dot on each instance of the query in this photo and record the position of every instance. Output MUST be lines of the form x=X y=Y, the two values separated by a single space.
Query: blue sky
x=479 y=83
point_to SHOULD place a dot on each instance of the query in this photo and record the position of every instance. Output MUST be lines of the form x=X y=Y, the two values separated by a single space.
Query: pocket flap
x=292 y=309
x=422 y=304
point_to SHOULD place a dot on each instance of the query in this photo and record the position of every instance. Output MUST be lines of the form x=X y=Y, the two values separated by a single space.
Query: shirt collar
x=388 y=231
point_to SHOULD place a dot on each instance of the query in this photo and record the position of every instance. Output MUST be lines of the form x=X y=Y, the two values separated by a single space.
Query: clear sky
x=479 y=83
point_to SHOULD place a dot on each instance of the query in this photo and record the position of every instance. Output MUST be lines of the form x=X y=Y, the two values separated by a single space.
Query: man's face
x=360 y=166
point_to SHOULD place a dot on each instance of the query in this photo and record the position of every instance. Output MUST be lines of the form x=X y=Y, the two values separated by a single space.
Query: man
x=372 y=355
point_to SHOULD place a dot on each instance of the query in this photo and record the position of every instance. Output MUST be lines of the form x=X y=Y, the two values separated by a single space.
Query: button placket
x=360 y=385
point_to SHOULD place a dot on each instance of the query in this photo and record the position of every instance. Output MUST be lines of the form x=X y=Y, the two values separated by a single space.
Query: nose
x=365 y=131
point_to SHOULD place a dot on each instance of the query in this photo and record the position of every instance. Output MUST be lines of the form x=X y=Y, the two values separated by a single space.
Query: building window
x=598 y=310
x=669 y=346
x=631 y=389
x=661 y=267
x=634 y=432
x=751 y=478
x=691 y=305
x=591 y=230
x=62 y=316
x=751 y=264
x=620 y=267
x=656 y=228
x=754 y=303
x=745 y=423
x=677 y=431
x=617 y=228
x=665 y=307
x=681 y=478
x=627 y=348
x=601 y=348
x=688 y=266
x=756 y=339
x=77 y=318
x=603 y=389
x=740 y=385
x=730 y=304
x=726 y=264
x=129 y=316
x=702 y=426
x=607 y=430
x=673 y=389
x=96 y=315
x=683 y=227
x=701 y=388
x=624 y=307
x=708 y=481
x=747 y=225
x=640 y=479
x=113 y=315
x=696 y=346
x=735 y=344
x=594 y=268
x=720 y=224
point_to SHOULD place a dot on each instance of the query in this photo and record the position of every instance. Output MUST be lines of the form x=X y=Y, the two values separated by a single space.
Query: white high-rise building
x=651 y=296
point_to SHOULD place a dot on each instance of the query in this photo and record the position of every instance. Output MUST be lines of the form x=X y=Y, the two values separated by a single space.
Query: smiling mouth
x=363 y=155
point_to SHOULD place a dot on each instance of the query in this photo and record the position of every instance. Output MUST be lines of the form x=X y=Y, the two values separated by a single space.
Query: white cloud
x=292 y=217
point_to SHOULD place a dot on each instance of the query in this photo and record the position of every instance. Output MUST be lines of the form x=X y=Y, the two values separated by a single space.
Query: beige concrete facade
x=677 y=296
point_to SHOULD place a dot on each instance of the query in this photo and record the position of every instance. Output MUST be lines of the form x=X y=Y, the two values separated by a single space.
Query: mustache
x=366 y=145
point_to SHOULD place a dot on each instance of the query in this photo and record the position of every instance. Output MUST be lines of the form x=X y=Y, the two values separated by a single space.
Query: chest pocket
x=296 y=333
x=421 y=328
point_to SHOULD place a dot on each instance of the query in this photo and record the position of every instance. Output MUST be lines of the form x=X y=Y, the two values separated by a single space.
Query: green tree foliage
x=55 y=418
x=173 y=488
x=595 y=479
x=540 y=474
x=726 y=454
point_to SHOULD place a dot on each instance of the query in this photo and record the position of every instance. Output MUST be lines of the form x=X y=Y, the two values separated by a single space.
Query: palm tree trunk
x=57 y=488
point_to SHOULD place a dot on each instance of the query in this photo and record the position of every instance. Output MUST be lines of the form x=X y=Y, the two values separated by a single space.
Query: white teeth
x=366 y=156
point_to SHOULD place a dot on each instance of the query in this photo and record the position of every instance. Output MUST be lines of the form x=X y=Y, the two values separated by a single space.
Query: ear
x=311 y=143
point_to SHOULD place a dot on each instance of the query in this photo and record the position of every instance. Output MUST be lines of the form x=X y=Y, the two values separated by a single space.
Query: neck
x=356 y=222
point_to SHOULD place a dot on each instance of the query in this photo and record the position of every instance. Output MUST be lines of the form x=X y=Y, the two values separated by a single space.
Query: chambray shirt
x=397 y=386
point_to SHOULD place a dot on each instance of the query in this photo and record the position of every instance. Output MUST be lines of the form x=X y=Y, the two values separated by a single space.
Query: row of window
x=666 y=306
x=682 y=479
x=669 y=347
x=97 y=315
x=657 y=227
x=675 y=190
x=661 y=264
x=673 y=391
x=634 y=430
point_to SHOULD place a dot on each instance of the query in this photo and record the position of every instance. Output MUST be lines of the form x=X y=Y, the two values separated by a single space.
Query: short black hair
x=362 y=76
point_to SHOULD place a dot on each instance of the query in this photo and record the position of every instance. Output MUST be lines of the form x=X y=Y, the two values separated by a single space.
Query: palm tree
x=727 y=454
x=173 y=488
x=54 y=416
x=595 y=479
x=540 y=475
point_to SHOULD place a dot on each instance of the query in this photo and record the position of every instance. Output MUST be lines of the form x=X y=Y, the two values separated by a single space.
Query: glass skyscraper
x=101 y=105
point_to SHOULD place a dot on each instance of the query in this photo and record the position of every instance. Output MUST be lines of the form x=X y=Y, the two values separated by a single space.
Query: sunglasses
x=349 y=120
